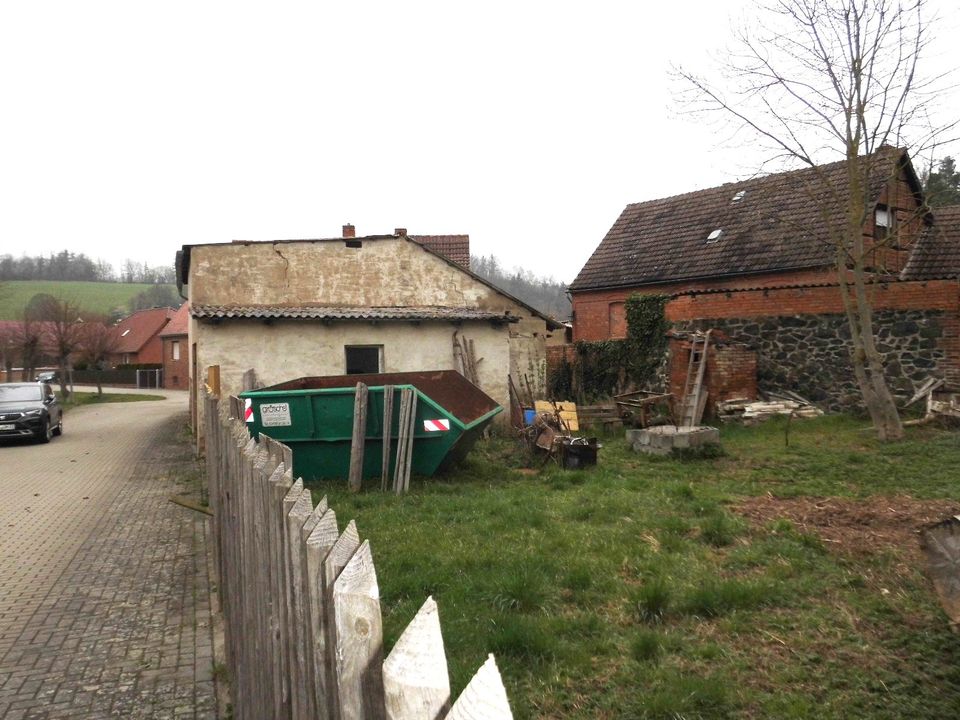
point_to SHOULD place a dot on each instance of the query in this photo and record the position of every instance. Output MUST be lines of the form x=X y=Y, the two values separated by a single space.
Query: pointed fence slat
x=415 y=679
x=300 y=603
x=359 y=630
x=318 y=546
x=333 y=565
x=484 y=697
x=296 y=518
x=304 y=641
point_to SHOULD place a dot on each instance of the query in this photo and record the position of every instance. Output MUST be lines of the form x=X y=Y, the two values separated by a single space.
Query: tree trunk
x=866 y=359
x=64 y=391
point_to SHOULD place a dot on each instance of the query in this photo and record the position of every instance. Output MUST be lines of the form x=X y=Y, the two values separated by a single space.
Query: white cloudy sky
x=130 y=128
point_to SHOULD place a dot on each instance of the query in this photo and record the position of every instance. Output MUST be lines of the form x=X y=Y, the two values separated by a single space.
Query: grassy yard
x=774 y=582
x=77 y=399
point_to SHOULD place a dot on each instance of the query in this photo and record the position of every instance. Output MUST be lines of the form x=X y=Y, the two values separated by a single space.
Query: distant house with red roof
x=139 y=337
x=176 y=363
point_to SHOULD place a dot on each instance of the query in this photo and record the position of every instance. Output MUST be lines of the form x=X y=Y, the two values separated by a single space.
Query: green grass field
x=98 y=297
x=771 y=582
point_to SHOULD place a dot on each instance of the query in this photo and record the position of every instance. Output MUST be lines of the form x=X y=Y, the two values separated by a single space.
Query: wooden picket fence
x=301 y=605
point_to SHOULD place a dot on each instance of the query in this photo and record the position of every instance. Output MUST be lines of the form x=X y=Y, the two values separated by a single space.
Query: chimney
x=400 y=232
x=349 y=231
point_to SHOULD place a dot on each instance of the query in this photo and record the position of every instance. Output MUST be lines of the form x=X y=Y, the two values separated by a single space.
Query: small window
x=882 y=222
x=739 y=196
x=715 y=235
x=353 y=243
x=175 y=350
x=364 y=359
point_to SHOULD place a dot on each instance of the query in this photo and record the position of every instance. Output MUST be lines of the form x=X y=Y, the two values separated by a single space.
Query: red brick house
x=139 y=337
x=176 y=358
x=754 y=261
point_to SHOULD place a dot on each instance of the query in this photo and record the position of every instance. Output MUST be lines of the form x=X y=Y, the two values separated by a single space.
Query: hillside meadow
x=96 y=297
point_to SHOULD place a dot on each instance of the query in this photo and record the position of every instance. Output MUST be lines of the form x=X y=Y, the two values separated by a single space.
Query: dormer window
x=882 y=222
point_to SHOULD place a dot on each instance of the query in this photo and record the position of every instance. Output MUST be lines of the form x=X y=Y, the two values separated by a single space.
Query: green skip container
x=314 y=417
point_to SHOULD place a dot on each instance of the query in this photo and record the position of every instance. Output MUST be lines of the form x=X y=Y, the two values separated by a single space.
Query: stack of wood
x=465 y=356
x=750 y=412
x=406 y=428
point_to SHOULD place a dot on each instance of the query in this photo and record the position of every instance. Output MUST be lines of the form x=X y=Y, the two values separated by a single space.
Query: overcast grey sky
x=132 y=128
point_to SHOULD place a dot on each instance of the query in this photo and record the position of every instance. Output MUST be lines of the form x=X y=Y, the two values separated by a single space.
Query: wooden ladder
x=694 y=396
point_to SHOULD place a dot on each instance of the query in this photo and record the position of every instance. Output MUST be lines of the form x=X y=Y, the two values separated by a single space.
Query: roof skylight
x=125 y=332
x=715 y=235
x=739 y=196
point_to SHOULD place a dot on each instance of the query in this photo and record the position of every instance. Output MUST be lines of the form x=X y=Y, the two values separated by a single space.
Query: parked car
x=30 y=409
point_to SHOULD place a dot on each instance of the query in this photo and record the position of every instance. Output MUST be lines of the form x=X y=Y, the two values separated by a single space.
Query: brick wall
x=731 y=372
x=595 y=319
x=176 y=373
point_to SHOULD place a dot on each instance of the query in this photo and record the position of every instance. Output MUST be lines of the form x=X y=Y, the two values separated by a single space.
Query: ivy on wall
x=608 y=367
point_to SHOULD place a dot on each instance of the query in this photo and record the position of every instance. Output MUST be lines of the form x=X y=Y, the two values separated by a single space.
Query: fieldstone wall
x=810 y=354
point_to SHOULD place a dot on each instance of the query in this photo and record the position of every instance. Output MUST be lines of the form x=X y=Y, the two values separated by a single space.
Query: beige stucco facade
x=381 y=272
x=287 y=349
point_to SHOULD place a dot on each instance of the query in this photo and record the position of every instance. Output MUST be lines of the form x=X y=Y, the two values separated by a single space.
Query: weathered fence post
x=359 y=437
x=387 y=429
x=318 y=546
x=359 y=630
x=339 y=555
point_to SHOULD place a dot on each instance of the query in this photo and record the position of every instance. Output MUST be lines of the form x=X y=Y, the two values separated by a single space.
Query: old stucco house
x=381 y=303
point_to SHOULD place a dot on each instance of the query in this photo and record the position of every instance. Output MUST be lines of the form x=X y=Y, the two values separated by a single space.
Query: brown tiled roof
x=453 y=247
x=319 y=312
x=134 y=331
x=778 y=224
x=937 y=250
x=180 y=322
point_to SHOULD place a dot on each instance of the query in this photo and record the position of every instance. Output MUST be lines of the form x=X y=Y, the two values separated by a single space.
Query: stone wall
x=810 y=354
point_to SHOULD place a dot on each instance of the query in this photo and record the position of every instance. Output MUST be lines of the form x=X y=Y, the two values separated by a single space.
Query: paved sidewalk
x=104 y=592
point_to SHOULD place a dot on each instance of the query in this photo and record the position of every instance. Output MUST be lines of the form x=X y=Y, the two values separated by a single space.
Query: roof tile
x=320 y=312
x=781 y=222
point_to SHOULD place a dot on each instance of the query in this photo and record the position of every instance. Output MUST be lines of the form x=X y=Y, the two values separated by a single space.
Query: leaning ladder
x=693 y=392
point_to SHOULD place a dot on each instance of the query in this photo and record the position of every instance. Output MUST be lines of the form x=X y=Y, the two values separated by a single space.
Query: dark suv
x=30 y=409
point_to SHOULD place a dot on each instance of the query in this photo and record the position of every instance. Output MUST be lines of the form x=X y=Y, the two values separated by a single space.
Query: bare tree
x=28 y=340
x=838 y=80
x=98 y=339
x=8 y=349
x=63 y=329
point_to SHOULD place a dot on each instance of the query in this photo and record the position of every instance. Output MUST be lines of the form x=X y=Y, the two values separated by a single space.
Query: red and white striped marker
x=247 y=410
x=441 y=425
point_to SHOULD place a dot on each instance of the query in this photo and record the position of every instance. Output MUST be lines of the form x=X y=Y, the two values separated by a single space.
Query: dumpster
x=314 y=417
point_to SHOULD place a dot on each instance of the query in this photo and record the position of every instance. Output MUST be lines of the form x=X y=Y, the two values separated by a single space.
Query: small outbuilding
x=353 y=305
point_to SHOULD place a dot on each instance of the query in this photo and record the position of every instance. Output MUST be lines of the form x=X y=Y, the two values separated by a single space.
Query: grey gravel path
x=104 y=591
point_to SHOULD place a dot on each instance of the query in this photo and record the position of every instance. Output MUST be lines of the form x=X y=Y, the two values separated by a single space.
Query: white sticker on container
x=275 y=414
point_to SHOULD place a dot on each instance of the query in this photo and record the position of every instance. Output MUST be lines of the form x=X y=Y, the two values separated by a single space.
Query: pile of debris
x=942 y=403
x=549 y=432
x=750 y=412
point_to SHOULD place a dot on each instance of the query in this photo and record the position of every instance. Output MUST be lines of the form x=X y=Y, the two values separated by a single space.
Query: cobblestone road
x=104 y=590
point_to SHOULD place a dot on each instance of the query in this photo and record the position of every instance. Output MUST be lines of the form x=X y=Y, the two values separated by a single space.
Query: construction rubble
x=750 y=412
